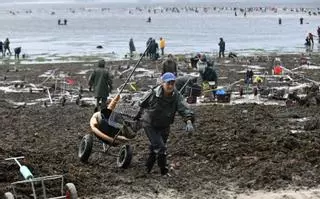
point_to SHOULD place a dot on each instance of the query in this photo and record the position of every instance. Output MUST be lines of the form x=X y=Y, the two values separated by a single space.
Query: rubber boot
x=150 y=162
x=162 y=163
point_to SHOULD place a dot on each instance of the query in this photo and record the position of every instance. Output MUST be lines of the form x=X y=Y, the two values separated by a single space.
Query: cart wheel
x=71 y=191
x=125 y=156
x=8 y=195
x=85 y=148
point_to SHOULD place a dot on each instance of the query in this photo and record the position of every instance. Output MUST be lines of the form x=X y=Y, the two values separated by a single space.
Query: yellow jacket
x=162 y=43
x=257 y=79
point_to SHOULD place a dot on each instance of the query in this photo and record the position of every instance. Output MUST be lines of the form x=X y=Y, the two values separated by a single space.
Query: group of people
x=5 y=49
x=152 y=48
x=157 y=107
x=65 y=21
x=309 y=39
x=157 y=111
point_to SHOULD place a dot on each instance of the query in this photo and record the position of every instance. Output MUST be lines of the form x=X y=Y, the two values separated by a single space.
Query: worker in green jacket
x=101 y=82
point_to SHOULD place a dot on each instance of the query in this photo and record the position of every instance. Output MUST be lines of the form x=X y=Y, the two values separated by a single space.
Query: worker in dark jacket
x=132 y=48
x=158 y=109
x=184 y=83
x=208 y=78
x=222 y=47
x=208 y=74
x=169 y=65
x=6 y=46
x=100 y=80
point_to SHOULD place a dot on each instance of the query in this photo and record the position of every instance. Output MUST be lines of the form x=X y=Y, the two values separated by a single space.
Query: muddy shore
x=236 y=149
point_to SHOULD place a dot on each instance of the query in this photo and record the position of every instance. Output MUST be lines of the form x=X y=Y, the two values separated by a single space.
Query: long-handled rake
x=116 y=117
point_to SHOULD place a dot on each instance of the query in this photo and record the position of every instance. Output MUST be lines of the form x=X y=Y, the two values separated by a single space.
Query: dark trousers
x=162 y=51
x=157 y=149
x=221 y=53
x=103 y=103
x=7 y=49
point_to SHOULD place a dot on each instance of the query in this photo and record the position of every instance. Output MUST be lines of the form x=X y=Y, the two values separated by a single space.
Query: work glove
x=189 y=127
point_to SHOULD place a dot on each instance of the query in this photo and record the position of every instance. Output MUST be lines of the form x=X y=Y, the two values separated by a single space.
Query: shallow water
x=185 y=32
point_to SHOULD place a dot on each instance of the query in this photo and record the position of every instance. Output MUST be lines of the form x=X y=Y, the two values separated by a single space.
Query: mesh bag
x=123 y=115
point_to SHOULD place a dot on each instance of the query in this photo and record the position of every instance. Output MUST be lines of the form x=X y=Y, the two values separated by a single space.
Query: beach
x=252 y=146
x=246 y=150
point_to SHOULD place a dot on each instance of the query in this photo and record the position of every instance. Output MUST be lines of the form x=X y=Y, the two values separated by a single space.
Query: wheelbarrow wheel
x=85 y=148
x=71 y=191
x=8 y=195
x=125 y=156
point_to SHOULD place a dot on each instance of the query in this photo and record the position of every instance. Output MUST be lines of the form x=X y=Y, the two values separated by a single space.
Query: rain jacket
x=169 y=65
x=159 y=110
x=101 y=82
x=208 y=75
x=131 y=45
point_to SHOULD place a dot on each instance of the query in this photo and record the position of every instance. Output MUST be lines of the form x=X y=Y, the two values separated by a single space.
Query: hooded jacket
x=169 y=65
x=101 y=81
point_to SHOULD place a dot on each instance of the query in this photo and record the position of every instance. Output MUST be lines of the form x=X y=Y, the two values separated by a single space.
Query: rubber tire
x=8 y=195
x=71 y=191
x=125 y=156
x=85 y=148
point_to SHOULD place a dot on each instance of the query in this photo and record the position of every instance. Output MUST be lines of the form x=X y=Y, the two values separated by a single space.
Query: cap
x=166 y=77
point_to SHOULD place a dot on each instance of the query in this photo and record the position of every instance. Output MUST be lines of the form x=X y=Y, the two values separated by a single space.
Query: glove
x=189 y=127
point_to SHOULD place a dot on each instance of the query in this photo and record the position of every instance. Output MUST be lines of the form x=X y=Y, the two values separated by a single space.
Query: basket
x=224 y=98
x=191 y=99
x=194 y=90
x=122 y=115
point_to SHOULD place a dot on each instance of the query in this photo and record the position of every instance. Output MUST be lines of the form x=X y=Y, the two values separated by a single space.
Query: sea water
x=34 y=27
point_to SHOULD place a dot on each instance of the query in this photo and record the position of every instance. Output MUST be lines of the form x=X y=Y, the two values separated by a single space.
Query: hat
x=166 y=77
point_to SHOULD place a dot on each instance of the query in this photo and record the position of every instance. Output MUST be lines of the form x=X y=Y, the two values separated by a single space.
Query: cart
x=40 y=187
x=119 y=121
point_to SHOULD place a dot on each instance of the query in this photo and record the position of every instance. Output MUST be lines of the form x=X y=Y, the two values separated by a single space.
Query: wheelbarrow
x=117 y=123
